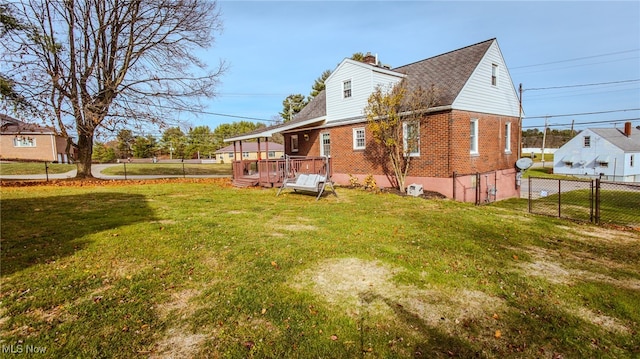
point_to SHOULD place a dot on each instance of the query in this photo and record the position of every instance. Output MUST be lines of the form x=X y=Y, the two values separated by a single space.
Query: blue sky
x=277 y=48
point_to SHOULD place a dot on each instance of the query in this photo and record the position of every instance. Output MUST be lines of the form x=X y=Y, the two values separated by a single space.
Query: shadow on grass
x=439 y=343
x=44 y=229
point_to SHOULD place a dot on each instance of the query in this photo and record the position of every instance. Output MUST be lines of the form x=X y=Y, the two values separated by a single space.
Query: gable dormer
x=349 y=86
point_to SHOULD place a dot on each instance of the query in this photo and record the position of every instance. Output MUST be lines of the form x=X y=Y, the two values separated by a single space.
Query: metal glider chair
x=307 y=182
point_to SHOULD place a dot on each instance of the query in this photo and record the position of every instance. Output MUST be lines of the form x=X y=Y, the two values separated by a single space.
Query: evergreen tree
x=292 y=105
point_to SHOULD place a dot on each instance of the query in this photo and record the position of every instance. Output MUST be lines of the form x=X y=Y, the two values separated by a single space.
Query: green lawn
x=30 y=168
x=190 y=169
x=195 y=268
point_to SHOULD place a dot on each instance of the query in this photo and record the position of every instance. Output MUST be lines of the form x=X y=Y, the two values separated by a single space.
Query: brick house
x=469 y=141
x=29 y=142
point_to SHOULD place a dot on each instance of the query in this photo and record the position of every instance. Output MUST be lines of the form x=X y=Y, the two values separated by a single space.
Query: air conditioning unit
x=414 y=190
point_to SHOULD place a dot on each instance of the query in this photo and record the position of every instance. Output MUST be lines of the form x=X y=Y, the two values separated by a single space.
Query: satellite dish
x=524 y=163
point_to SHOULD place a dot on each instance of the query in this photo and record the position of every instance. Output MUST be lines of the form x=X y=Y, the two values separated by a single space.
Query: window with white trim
x=245 y=154
x=294 y=143
x=325 y=144
x=494 y=75
x=473 y=138
x=271 y=154
x=21 y=141
x=411 y=138
x=346 y=89
x=358 y=139
x=507 y=137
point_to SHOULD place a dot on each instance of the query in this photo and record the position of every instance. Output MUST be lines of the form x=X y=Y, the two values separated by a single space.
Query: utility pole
x=544 y=138
x=520 y=122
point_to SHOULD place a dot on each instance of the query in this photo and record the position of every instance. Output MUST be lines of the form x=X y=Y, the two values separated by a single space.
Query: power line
x=581 y=85
x=575 y=59
x=580 y=114
x=586 y=123
x=207 y=112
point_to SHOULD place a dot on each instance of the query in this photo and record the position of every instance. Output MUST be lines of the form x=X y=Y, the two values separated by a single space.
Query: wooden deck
x=271 y=173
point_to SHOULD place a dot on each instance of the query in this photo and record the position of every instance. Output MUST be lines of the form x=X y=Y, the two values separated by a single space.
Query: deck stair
x=245 y=182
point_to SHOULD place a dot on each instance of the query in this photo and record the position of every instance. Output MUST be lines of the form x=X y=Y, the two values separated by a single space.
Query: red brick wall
x=444 y=146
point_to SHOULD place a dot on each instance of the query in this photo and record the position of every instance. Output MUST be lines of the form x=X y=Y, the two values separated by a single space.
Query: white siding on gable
x=480 y=95
x=364 y=79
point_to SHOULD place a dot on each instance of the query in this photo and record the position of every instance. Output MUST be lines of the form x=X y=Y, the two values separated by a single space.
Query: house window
x=358 y=139
x=21 y=141
x=245 y=154
x=294 y=143
x=346 y=89
x=473 y=146
x=631 y=161
x=603 y=164
x=411 y=138
x=325 y=144
x=587 y=141
x=230 y=155
x=494 y=74
x=271 y=154
x=507 y=137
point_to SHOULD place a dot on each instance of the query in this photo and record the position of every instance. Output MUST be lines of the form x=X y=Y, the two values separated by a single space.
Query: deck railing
x=272 y=172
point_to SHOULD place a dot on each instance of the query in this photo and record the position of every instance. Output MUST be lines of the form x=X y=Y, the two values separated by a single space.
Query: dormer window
x=346 y=89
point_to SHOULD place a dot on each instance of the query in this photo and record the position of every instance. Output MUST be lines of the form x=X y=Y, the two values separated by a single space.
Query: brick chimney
x=370 y=59
x=627 y=129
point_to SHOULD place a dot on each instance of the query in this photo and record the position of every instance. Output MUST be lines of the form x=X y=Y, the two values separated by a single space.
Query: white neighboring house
x=609 y=153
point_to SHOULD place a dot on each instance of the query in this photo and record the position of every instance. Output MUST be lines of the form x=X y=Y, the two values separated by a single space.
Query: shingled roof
x=10 y=125
x=618 y=138
x=448 y=72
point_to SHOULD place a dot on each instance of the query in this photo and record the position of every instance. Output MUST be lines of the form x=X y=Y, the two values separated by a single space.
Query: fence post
x=530 y=183
x=125 y=170
x=478 y=187
x=559 y=200
x=455 y=174
x=597 y=204
x=46 y=170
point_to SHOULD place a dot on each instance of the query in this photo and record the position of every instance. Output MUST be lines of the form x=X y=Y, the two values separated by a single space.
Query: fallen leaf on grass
x=498 y=334
x=334 y=337
x=275 y=265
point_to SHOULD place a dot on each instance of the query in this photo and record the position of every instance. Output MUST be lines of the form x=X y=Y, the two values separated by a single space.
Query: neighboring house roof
x=10 y=125
x=617 y=137
x=253 y=147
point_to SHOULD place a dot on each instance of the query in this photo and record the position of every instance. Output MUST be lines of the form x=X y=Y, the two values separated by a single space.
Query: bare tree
x=95 y=65
x=394 y=118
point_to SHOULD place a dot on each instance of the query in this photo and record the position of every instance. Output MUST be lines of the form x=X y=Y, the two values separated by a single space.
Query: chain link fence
x=594 y=201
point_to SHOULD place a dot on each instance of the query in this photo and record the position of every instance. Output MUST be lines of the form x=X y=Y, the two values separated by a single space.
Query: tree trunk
x=85 y=151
